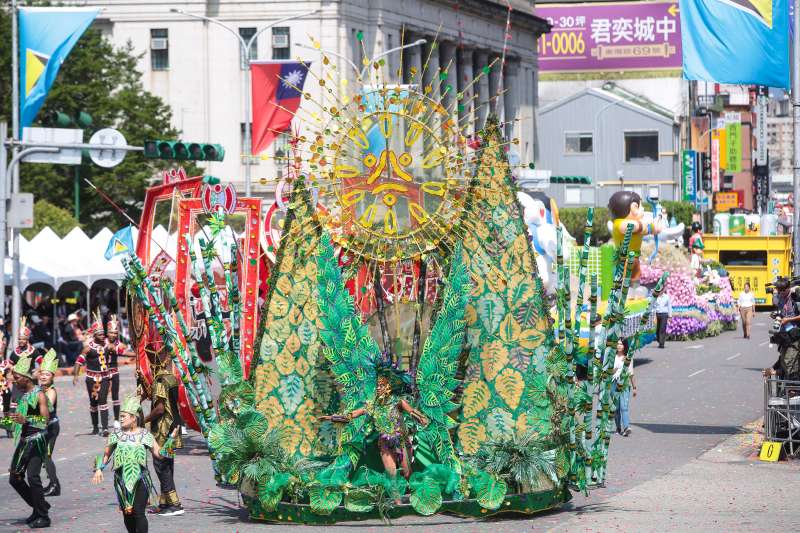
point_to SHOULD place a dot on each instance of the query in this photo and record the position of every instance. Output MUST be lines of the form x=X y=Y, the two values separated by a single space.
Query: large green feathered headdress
x=131 y=405
x=49 y=362
x=23 y=367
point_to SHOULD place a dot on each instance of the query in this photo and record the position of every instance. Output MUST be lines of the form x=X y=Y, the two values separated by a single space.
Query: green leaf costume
x=130 y=464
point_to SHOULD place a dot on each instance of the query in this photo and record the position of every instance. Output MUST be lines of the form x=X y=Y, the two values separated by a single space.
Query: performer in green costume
x=48 y=365
x=29 y=425
x=131 y=478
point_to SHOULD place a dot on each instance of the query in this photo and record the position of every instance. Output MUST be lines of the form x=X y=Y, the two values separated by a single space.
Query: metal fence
x=782 y=413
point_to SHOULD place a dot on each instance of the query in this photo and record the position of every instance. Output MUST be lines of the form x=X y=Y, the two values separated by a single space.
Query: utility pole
x=16 y=296
x=796 y=121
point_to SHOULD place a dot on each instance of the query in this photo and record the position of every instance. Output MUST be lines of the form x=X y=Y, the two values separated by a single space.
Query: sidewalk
x=725 y=489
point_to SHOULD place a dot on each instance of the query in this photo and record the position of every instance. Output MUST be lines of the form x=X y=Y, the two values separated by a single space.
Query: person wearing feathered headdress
x=132 y=482
x=29 y=424
x=98 y=376
x=115 y=348
x=23 y=349
x=48 y=365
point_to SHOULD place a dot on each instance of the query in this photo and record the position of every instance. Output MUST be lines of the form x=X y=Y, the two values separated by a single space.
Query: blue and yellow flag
x=736 y=41
x=46 y=37
x=121 y=243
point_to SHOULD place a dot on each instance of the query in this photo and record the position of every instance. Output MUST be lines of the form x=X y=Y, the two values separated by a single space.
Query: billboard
x=689 y=174
x=610 y=37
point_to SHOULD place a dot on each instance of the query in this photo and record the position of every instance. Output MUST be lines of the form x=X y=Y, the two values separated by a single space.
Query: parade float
x=403 y=359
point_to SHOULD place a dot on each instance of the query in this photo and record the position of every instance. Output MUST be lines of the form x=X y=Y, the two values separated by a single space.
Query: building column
x=495 y=102
x=466 y=106
x=510 y=99
x=412 y=61
x=480 y=60
x=448 y=62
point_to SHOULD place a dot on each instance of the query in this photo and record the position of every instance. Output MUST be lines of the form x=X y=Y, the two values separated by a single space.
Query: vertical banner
x=715 y=162
x=734 y=146
x=761 y=130
x=689 y=175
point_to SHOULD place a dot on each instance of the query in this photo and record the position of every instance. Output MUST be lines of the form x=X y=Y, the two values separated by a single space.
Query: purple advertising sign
x=610 y=37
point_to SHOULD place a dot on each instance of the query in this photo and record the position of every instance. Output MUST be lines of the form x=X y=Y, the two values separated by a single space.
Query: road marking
x=734 y=356
x=695 y=373
x=695 y=347
x=763 y=343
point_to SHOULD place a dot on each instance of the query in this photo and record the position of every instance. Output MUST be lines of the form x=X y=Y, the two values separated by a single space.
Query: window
x=280 y=43
x=641 y=146
x=159 y=49
x=247 y=34
x=577 y=143
x=572 y=194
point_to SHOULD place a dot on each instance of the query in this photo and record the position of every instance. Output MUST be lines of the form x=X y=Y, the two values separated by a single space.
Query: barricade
x=782 y=413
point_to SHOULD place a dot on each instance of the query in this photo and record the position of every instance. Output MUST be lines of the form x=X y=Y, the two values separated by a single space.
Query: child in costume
x=115 y=349
x=47 y=370
x=29 y=425
x=626 y=209
x=132 y=482
x=98 y=376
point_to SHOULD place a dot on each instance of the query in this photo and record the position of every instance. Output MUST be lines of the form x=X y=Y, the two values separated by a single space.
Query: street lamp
x=596 y=138
x=245 y=50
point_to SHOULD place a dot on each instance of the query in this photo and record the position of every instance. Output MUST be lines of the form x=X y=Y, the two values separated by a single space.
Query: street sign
x=770 y=451
x=107 y=158
x=761 y=130
x=54 y=135
x=715 y=162
x=689 y=176
x=20 y=212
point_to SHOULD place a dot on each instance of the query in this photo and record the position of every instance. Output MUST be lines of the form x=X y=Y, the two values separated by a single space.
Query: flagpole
x=16 y=297
x=796 y=121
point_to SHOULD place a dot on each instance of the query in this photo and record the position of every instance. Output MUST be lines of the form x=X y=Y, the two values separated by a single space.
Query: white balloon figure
x=542 y=229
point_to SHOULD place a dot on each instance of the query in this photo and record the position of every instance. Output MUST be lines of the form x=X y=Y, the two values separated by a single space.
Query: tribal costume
x=31 y=450
x=115 y=349
x=98 y=376
x=49 y=363
x=23 y=349
x=132 y=481
x=165 y=392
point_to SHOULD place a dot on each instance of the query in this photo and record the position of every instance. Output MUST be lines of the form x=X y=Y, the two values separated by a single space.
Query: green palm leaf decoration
x=436 y=372
x=352 y=353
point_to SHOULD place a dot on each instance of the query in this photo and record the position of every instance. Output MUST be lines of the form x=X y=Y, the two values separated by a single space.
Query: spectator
x=622 y=416
x=663 y=314
x=747 y=307
x=72 y=339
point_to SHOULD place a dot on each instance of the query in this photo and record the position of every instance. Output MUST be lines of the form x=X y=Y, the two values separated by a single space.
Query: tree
x=102 y=80
x=46 y=214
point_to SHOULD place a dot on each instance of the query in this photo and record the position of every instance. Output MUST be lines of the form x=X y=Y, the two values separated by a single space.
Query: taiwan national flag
x=277 y=91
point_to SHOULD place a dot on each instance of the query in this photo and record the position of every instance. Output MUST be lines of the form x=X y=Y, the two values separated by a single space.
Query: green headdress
x=131 y=405
x=23 y=367
x=49 y=362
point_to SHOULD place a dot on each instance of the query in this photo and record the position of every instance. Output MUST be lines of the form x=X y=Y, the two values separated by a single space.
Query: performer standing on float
x=29 y=424
x=98 y=376
x=165 y=421
x=48 y=365
x=115 y=348
x=132 y=482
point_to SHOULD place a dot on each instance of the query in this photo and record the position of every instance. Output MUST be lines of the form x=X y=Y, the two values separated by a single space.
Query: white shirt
x=664 y=304
x=619 y=362
x=746 y=299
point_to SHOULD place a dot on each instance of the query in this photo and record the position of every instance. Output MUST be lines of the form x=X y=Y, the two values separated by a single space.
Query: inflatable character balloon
x=625 y=208
x=541 y=217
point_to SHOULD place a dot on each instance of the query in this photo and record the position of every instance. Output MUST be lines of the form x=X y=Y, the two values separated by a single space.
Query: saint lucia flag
x=736 y=41
x=46 y=37
x=120 y=243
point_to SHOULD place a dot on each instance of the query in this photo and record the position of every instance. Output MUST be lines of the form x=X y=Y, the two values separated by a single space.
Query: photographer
x=788 y=336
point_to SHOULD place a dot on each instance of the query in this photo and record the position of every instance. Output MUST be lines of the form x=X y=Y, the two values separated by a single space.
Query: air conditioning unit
x=160 y=43
x=280 y=40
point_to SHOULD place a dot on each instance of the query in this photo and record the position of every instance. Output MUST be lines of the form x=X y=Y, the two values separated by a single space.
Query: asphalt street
x=692 y=396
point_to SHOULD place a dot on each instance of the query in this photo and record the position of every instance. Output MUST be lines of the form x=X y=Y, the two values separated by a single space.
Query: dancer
x=132 y=481
x=47 y=371
x=6 y=380
x=165 y=421
x=29 y=424
x=115 y=348
x=23 y=349
x=98 y=378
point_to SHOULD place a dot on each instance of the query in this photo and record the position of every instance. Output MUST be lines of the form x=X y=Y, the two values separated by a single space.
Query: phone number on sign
x=561 y=43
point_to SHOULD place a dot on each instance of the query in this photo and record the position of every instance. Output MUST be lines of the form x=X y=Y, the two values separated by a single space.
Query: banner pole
x=796 y=123
x=16 y=296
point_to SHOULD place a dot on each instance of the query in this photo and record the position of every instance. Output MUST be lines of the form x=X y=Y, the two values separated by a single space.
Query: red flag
x=277 y=91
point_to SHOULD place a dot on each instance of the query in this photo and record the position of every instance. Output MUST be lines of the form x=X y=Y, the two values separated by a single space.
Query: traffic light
x=706 y=178
x=181 y=151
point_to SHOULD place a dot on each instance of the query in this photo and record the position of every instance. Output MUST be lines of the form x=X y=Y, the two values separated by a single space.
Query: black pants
x=27 y=462
x=136 y=521
x=53 y=429
x=661 y=328
x=165 y=470
x=100 y=402
x=115 y=403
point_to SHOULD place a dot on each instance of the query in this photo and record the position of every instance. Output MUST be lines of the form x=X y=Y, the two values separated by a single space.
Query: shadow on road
x=690 y=429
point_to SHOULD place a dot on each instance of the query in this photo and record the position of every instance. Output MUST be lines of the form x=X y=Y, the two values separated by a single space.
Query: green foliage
x=520 y=459
x=45 y=215
x=324 y=500
x=436 y=372
x=488 y=489
x=426 y=495
x=574 y=219
x=682 y=211
x=102 y=80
